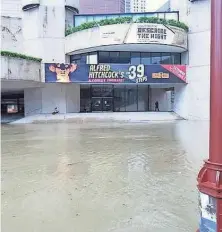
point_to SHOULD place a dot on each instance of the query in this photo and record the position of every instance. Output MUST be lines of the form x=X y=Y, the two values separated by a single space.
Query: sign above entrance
x=115 y=73
x=157 y=34
x=126 y=35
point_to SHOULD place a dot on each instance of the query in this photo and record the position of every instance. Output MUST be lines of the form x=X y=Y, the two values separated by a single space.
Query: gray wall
x=12 y=38
x=45 y=99
x=20 y=69
x=11 y=8
x=192 y=101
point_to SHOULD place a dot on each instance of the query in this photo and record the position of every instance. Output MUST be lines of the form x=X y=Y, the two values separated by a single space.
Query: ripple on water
x=103 y=177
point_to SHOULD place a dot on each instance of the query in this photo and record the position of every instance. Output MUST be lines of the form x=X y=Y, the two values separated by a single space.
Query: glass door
x=107 y=104
x=97 y=104
x=102 y=98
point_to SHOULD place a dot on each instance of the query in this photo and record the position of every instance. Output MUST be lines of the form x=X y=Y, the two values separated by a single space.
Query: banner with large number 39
x=136 y=71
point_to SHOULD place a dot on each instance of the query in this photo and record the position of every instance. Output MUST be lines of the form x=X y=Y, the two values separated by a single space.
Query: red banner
x=177 y=70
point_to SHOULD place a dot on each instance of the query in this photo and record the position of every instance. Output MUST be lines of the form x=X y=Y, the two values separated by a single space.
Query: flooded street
x=121 y=177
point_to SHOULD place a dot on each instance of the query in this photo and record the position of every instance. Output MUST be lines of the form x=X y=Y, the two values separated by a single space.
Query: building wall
x=54 y=95
x=46 y=38
x=122 y=34
x=139 y=5
x=164 y=7
x=44 y=29
x=127 y=6
x=20 y=69
x=73 y=98
x=44 y=100
x=11 y=8
x=162 y=96
x=147 y=5
x=94 y=37
x=192 y=101
x=11 y=36
x=101 y=6
x=33 y=101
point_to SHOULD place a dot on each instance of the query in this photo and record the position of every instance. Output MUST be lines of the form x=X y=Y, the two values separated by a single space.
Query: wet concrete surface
x=121 y=177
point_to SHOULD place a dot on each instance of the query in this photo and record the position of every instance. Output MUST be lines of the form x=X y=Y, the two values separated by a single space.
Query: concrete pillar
x=66 y=97
x=44 y=28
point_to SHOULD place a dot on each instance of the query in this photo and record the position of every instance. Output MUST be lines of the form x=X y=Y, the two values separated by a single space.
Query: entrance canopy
x=115 y=73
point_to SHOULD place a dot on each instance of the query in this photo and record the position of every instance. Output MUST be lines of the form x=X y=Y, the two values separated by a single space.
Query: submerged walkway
x=89 y=117
x=117 y=177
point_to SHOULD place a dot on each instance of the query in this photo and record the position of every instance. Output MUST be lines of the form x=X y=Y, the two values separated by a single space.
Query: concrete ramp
x=103 y=117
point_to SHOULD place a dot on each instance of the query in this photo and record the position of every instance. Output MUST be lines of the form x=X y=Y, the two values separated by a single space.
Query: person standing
x=157 y=106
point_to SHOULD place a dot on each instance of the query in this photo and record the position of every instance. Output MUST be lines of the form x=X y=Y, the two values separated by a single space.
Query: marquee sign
x=157 y=34
x=148 y=33
x=115 y=73
x=128 y=34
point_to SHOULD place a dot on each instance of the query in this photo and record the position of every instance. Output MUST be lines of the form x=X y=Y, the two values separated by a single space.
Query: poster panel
x=115 y=73
x=157 y=34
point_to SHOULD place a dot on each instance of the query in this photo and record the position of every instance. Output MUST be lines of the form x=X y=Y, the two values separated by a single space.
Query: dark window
x=75 y=59
x=145 y=58
x=85 y=99
x=131 y=98
x=114 y=57
x=104 y=57
x=142 y=98
x=78 y=59
x=119 y=98
x=83 y=59
x=156 y=58
x=130 y=58
x=124 y=57
x=102 y=91
x=176 y=58
x=166 y=58
x=135 y=57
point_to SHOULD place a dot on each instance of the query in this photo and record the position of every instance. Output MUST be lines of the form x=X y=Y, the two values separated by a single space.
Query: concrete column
x=33 y=101
x=44 y=29
x=66 y=97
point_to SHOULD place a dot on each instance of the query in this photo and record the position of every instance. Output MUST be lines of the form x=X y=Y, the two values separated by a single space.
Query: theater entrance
x=114 y=98
x=102 y=104
x=102 y=98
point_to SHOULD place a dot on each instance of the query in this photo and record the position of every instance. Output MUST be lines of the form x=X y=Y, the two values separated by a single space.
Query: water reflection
x=102 y=177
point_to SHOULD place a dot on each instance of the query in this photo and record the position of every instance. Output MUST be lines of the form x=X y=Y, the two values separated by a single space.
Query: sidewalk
x=90 y=117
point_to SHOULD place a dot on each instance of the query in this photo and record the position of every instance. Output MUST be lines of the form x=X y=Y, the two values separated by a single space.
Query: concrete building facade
x=124 y=66
x=193 y=100
x=146 y=6
x=127 y=6
x=101 y=6
x=139 y=5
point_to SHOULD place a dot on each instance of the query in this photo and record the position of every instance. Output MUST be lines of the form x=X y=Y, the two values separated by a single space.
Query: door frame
x=111 y=100
x=93 y=107
x=102 y=104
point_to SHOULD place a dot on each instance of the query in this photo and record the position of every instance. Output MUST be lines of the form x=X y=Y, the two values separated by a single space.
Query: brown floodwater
x=99 y=177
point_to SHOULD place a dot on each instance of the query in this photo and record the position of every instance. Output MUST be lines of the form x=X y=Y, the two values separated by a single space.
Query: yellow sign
x=160 y=75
